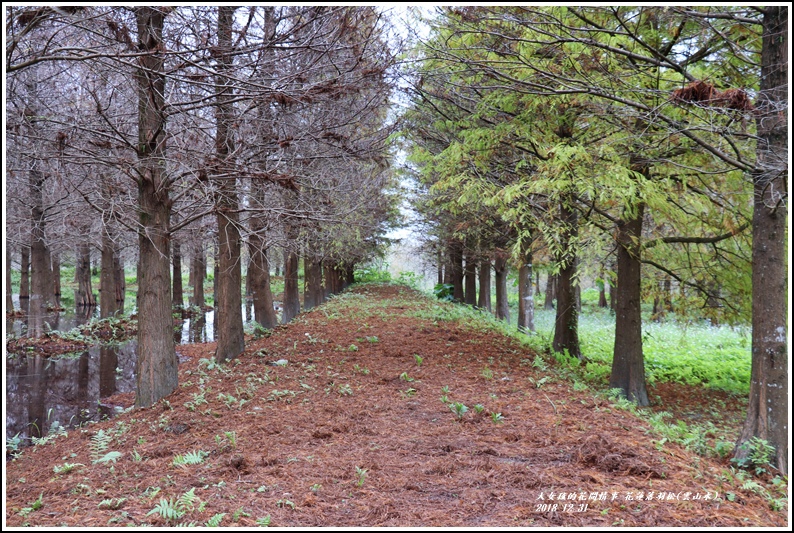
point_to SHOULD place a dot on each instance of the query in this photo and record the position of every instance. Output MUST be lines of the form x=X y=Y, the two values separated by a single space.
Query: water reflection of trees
x=67 y=389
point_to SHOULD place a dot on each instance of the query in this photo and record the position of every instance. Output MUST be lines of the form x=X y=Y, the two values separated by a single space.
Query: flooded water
x=69 y=390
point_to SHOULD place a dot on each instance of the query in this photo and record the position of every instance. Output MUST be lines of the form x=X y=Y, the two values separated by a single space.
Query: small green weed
x=361 y=473
x=459 y=409
x=65 y=468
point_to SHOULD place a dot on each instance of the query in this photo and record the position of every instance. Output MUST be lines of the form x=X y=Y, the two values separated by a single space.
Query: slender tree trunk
x=107 y=277
x=548 y=301
x=120 y=282
x=566 y=323
x=448 y=267
x=229 y=303
x=198 y=269
x=156 y=368
x=628 y=365
x=500 y=273
x=456 y=270
x=291 y=304
x=667 y=299
x=440 y=265
x=41 y=286
x=56 y=279
x=313 y=292
x=526 y=296
x=85 y=294
x=484 y=300
x=602 y=292
x=259 y=274
x=24 y=273
x=178 y=298
x=470 y=280
x=767 y=411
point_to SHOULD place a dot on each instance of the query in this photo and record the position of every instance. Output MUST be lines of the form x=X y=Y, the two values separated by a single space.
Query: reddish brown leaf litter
x=352 y=431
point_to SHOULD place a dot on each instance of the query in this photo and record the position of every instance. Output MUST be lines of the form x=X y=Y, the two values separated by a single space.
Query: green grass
x=693 y=353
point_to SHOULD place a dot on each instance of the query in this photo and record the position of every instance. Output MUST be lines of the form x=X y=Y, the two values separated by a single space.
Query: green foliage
x=65 y=468
x=13 y=445
x=409 y=279
x=216 y=520
x=190 y=458
x=56 y=430
x=263 y=522
x=759 y=457
x=444 y=291
x=173 y=510
x=110 y=457
x=99 y=443
x=361 y=474
x=459 y=409
x=37 y=504
x=111 y=503
x=372 y=274
x=168 y=509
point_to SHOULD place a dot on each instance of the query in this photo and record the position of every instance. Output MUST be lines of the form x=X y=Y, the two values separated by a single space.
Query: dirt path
x=353 y=431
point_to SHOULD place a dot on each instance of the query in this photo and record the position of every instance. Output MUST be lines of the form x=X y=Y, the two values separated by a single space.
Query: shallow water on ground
x=43 y=393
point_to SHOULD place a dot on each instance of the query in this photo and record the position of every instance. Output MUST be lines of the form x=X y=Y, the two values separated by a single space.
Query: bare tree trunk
x=548 y=302
x=566 y=323
x=107 y=277
x=156 y=367
x=177 y=295
x=667 y=298
x=602 y=290
x=440 y=266
x=24 y=273
x=767 y=411
x=120 y=281
x=229 y=303
x=500 y=273
x=291 y=304
x=484 y=300
x=56 y=279
x=328 y=274
x=313 y=293
x=41 y=286
x=470 y=280
x=259 y=274
x=628 y=365
x=526 y=296
x=456 y=270
x=85 y=294
x=198 y=269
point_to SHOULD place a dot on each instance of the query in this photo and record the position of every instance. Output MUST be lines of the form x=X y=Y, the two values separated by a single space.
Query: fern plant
x=172 y=510
x=215 y=521
x=100 y=442
x=168 y=509
x=190 y=458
